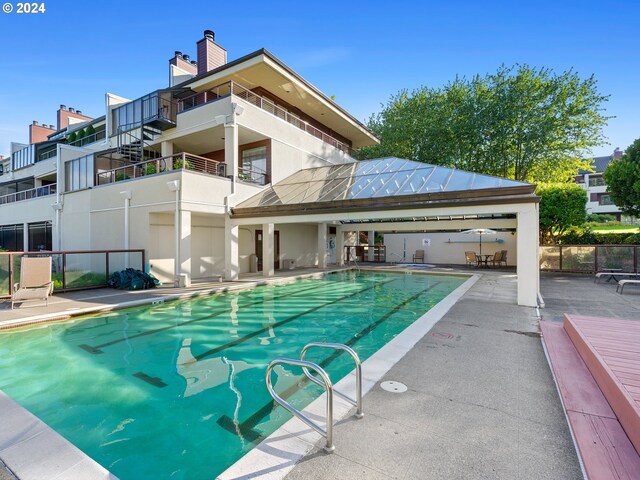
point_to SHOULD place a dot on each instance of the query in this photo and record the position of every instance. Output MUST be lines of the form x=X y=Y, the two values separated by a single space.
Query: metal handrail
x=326 y=382
x=357 y=402
x=36 y=192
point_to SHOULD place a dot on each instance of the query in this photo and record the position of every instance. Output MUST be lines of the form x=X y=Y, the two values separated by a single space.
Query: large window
x=40 y=237
x=11 y=237
x=605 y=199
x=255 y=164
x=78 y=173
x=595 y=181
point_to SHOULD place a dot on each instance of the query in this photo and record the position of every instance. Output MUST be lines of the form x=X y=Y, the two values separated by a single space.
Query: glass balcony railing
x=28 y=194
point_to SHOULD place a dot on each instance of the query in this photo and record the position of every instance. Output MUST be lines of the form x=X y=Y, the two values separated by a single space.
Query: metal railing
x=49 y=154
x=29 y=194
x=94 y=137
x=232 y=88
x=186 y=161
x=590 y=258
x=325 y=382
x=249 y=175
x=71 y=269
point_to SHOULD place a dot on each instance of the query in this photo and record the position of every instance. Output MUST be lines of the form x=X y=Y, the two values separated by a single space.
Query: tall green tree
x=623 y=180
x=562 y=205
x=521 y=122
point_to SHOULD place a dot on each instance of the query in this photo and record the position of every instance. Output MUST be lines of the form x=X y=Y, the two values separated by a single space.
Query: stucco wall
x=402 y=246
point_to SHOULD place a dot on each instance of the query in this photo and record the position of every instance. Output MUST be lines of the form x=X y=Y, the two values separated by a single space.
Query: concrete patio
x=481 y=401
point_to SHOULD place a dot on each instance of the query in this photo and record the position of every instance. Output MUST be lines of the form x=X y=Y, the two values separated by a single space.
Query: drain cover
x=393 y=387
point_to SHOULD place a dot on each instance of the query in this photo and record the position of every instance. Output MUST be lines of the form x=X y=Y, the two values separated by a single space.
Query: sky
x=360 y=52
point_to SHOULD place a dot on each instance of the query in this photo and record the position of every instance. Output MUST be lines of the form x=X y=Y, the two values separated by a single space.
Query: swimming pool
x=177 y=390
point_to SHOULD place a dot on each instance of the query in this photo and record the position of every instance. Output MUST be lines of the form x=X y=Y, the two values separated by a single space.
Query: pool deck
x=481 y=401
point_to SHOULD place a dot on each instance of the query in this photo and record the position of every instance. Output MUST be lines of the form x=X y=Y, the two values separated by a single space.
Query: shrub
x=80 y=134
x=600 y=218
x=177 y=164
x=71 y=137
x=90 y=130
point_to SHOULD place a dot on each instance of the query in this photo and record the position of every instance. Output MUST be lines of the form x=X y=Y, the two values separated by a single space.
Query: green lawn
x=615 y=229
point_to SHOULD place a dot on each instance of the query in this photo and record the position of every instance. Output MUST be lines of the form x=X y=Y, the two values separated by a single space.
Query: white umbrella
x=481 y=231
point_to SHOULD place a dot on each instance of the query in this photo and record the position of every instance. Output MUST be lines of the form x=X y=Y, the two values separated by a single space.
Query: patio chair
x=504 y=257
x=497 y=259
x=35 y=280
x=471 y=258
x=419 y=255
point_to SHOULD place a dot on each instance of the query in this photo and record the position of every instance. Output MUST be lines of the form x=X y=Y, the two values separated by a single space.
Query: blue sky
x=361 y=52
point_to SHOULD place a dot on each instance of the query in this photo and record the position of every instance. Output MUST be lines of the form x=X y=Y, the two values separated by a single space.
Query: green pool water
x=177 y=390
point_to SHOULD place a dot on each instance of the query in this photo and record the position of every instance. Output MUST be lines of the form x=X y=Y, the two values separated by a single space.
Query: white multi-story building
x=598 y=199
x=236 y=166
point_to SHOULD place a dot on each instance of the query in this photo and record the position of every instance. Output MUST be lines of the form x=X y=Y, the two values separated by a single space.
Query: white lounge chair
x=622 y=283
x=35 y=280
x=613 y=275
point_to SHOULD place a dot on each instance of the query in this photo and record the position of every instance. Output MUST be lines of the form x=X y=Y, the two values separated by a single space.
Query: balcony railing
x=49 y=154
x=28 y=194
x=590 y=258
x=186 y=161
x=94 y=137
x=249 y=175
x=232 y=88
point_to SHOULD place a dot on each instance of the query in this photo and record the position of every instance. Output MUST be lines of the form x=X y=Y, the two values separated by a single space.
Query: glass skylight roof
x=384 y=177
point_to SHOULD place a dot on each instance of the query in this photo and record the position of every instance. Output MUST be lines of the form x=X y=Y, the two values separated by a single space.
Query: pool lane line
x=96 y=350
x=247 y=427
x=155 y=381
x=255 y=333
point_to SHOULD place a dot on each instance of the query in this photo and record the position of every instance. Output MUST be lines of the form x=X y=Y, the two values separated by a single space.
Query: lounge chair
x=504 y=257
x=613 y=275
x=622 y=283
x=35 y=280
x=419 y=255
x=471 y=258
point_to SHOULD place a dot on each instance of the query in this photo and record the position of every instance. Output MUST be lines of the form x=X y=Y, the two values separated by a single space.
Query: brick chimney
x=183 y=63
x=210 y=54
x=70 y=117
x=39 y=133
x=617 y=153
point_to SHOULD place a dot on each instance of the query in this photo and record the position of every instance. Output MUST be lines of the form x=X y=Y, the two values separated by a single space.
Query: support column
x=528 y=268
x=231 y=152
x=268 y=257
x=25 y=237
x=166 y=149
x=371 y=237
x=185 y=246
x=231 y=251
x=322 y=245
x=339 y=247
x=127 y=203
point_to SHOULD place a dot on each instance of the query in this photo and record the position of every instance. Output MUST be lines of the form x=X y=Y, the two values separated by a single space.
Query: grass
x=77 y=279
x=603 y=228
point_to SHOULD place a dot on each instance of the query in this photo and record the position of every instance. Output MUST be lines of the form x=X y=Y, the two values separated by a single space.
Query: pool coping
x=278 y=454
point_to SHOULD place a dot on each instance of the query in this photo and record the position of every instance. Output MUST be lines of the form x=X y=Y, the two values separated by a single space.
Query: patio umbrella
x=481 y=231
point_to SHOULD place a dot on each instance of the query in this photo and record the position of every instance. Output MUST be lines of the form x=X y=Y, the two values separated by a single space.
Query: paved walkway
x=481 y=401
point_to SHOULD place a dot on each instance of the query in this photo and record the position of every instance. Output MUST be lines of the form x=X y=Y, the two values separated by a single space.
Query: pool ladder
x=323 y=381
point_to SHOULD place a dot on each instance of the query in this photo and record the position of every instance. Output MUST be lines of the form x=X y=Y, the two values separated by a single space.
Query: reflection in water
x=236 y=421
x=207 y=373
x=234 y=316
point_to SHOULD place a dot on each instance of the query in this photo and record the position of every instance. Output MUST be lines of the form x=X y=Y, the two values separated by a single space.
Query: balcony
x=232 y=88
x=28 y=194
x=156 y=110
x=81 y=142
x=179 y=161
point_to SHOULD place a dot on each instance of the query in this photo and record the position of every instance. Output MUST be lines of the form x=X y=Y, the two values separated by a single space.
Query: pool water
x=177 y=390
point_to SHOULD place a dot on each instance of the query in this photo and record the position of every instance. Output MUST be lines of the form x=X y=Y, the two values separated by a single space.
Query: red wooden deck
x=606 y=450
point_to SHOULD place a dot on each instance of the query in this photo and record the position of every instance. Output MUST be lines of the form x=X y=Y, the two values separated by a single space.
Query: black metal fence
x=589 y=258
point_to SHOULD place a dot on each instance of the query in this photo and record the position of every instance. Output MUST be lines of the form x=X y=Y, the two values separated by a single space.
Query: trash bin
x=253 y=263
x=288 y=264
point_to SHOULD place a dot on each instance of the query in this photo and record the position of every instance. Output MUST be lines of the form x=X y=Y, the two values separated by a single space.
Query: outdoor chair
x=504 y=257
x=471 y=258
x=35 y=280
x=498 y=258
x=419 y=255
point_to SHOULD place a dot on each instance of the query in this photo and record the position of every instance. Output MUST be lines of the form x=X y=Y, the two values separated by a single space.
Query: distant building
x=598 y=199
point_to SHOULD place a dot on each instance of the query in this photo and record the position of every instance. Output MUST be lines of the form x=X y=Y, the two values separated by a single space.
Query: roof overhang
x=262 y=69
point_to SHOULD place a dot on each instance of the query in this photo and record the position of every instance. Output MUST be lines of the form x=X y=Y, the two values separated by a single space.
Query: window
x=11 y=237
x=255 y=165
x=606 y=200
x=78 y=173
x=40 y=236
x=579 y=178
x=596 y=181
